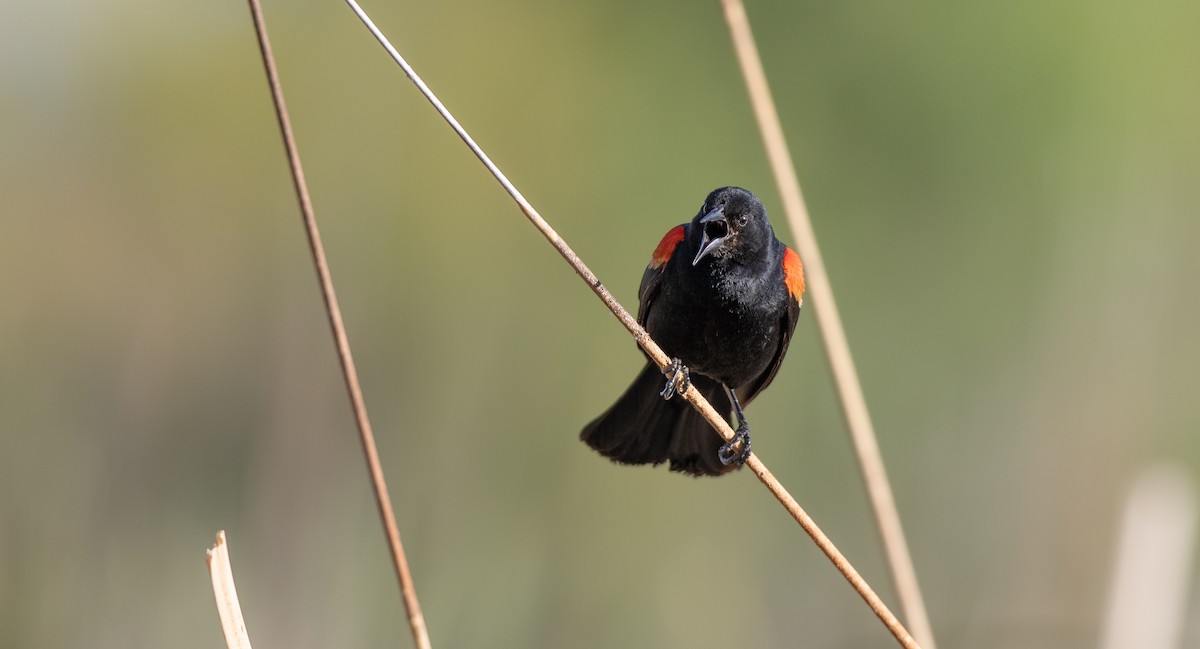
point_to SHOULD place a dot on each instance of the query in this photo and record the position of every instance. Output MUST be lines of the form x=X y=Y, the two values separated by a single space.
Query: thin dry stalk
x=416 y=620
x=228 y=607
x=854 y=405
x=643 y=339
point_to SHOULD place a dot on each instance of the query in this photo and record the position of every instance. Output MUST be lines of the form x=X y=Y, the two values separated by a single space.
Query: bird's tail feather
x=643 y=428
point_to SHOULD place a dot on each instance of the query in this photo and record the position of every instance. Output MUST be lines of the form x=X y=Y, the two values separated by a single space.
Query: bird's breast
x=721 y=329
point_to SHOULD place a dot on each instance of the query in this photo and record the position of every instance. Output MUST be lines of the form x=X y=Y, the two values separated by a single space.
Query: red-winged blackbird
x=721 y=296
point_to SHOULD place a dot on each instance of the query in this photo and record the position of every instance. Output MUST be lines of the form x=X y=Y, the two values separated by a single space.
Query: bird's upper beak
x=714 y=231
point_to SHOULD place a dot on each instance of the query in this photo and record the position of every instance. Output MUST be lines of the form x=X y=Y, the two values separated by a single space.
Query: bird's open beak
x=715 y=230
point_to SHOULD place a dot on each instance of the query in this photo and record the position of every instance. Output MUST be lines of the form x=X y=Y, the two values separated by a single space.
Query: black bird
x=721 y=296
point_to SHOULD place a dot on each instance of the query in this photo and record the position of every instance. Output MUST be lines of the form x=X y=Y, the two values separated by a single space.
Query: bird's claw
x=678 y=380
x=729 y=453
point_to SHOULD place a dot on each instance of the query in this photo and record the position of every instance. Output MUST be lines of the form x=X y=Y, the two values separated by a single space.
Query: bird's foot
x=729 y=453
x=678 y=380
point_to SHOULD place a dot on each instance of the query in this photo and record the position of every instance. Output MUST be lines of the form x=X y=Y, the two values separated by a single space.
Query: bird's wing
x=793 y=279
x=652 y=278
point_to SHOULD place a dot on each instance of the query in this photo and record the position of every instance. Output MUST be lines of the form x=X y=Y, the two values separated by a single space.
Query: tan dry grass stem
x=228 y=608
x=653 y=350
x=387 y=516
x=837 y=349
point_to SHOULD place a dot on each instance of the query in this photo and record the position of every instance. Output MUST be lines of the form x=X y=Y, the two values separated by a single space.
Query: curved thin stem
x=652 y=349
x=837 y=349
x=387 y=516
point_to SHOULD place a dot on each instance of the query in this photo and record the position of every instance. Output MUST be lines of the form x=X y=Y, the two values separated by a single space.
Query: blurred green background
x=1007 y=201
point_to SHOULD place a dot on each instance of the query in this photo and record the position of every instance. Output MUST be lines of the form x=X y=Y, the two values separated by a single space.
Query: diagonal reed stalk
x=643 y=339
x=416 y=620
x=854 y=405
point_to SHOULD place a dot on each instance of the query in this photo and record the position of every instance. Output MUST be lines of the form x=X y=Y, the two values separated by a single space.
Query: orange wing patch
x=662 y=254
x=793 y=274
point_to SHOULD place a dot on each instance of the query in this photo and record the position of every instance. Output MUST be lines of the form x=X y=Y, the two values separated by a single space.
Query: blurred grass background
x=1006 y=197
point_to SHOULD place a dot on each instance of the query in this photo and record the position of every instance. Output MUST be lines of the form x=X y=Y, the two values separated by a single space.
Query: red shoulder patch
x=793 y=274
x=662 y=254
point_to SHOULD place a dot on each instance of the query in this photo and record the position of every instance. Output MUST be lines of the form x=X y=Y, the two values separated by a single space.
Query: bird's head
x=732 y=226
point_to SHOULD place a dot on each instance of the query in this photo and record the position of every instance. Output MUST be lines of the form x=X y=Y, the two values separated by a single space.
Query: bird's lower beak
x=715 y=229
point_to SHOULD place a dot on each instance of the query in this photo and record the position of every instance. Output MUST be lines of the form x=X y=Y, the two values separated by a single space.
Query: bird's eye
x=742 y=220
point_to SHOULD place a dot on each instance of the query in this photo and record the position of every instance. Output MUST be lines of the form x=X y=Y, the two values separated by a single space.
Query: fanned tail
x=643 y=428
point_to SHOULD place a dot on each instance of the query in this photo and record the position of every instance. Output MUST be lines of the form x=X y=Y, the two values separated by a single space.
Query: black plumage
x=721 y=295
